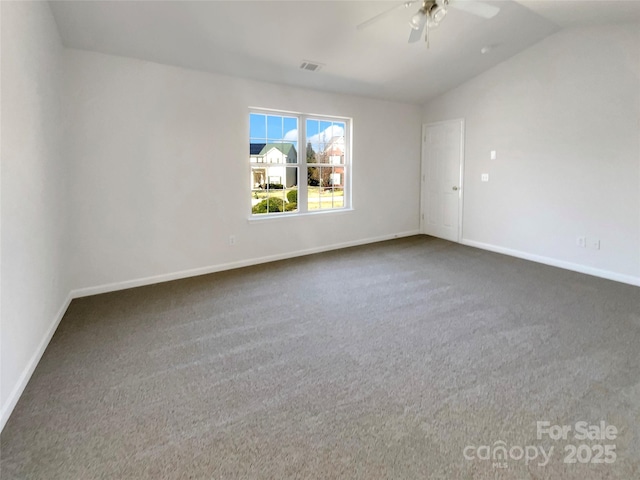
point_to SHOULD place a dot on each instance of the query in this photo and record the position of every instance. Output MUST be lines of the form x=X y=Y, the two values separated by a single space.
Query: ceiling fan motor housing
x=431 y=13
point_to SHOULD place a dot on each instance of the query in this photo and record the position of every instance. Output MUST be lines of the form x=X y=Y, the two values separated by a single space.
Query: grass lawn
x=319 y=197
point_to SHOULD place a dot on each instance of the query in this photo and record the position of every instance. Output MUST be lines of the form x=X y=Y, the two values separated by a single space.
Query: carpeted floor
x=378 y=362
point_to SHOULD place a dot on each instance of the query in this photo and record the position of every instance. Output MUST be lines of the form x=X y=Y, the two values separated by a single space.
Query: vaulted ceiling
x=268 y=40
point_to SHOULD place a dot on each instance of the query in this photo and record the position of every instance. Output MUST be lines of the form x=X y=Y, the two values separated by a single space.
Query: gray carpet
x=376 y=362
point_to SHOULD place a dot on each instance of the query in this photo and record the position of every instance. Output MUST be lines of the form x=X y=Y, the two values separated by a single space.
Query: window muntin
x=283 y=147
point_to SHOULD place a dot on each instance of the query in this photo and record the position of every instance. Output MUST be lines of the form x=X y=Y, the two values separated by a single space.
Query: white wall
x=111 y=169
x=149 y=143
x=111 y=178
x=564 y=117
x=33 y=277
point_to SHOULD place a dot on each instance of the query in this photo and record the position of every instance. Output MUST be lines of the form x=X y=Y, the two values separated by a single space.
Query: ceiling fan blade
x=416 y=35
x=383 y=14
x=480 y=9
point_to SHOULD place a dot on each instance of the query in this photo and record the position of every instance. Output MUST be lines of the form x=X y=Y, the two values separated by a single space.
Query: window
x=299 y=163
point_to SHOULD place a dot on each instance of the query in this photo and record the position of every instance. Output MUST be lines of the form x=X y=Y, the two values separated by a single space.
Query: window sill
x=283 y=216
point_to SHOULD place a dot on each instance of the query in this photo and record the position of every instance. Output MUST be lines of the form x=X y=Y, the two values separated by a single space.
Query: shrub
x=269 y=205
x=292 y=196
x=273 y=186
x=290 y=206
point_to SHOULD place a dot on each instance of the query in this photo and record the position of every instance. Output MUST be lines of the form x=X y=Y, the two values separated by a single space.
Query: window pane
x=274 y=128
x=257 y=126
x=325 y=135
x=325 y=187
x=291 y=190
x=290 y=127
x=276 y=200
x=293 y=152
x=334 y=149
x=325 y=126
x=312 y=140
x=338 y=198
x=325 y=142
x=313 y=188
x=268 y=192
x=258 y=177
x=313 y=128
x=312 y=155
x=256 y=149
x=291 y=177
x=325 y=177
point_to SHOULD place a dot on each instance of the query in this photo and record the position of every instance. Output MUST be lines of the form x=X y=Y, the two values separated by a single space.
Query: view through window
x=299 y=163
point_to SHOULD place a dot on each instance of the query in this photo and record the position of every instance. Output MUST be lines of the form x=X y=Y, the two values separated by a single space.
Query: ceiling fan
x=431 y=13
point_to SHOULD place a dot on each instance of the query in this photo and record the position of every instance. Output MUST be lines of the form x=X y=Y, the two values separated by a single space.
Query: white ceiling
x=268 y=40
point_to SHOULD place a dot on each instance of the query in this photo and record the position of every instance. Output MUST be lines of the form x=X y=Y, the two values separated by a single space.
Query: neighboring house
x=275 y=156
x=334 y=151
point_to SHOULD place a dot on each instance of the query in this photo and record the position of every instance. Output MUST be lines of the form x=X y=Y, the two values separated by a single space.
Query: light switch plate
x=484 y=177
x=494 y=154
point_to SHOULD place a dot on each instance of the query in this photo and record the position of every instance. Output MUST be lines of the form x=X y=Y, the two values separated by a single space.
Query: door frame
x=423 y=174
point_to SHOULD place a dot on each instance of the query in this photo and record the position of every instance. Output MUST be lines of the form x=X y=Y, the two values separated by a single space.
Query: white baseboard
x=11 y=402
x=596 y=272
x=139 y=282
x=13 y=398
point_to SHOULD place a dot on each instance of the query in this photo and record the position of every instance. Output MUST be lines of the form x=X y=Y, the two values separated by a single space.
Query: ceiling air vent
x=310 y=66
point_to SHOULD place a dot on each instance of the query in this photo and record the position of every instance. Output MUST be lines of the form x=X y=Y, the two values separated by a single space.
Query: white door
x=442 y=163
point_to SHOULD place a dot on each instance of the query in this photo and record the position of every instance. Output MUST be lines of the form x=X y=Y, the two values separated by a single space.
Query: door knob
x=455 y=189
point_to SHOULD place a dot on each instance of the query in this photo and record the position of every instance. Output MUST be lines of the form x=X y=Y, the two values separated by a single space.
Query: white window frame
x=301 y=164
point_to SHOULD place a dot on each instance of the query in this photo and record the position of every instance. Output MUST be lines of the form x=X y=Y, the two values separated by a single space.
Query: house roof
x=256 y=148
x=263 y=148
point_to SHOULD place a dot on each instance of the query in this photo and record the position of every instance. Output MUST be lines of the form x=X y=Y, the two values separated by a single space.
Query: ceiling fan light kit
x=418 y=20
x=431 y=13
x=438 y=12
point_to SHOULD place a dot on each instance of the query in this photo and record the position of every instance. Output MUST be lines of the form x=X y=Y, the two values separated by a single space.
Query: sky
x=275 y=128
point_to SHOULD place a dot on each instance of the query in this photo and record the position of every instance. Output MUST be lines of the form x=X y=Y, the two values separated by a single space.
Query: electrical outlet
x=484 y=177
x=232 y=239
x=581 y=242
x=594 y=243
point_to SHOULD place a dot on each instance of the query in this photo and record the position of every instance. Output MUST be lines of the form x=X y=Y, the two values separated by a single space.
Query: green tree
x=311 y=154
